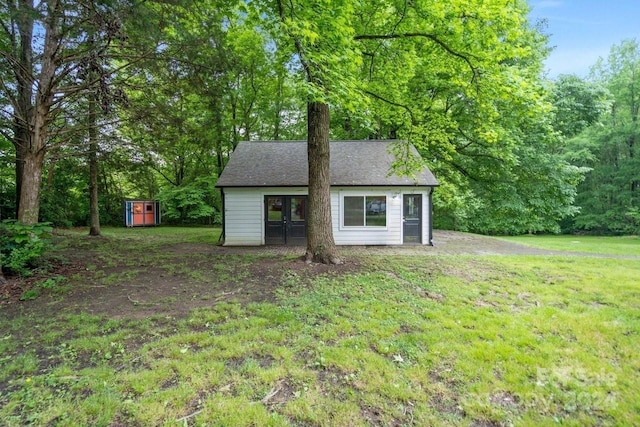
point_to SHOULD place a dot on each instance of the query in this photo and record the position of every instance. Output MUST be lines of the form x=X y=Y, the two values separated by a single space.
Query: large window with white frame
x=364 y=211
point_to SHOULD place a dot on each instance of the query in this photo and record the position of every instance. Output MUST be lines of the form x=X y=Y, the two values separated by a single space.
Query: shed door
x=149 y=213
x=138 y=213
x=285 y=220
x=412 y=218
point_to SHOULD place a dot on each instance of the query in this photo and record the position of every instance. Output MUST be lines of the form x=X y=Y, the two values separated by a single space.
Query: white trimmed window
x=364 y=211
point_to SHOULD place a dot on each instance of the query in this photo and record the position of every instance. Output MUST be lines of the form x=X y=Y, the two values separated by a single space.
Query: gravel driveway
x=446 y=242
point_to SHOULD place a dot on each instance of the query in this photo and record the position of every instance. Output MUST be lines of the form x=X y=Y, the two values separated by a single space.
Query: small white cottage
x=264 y=195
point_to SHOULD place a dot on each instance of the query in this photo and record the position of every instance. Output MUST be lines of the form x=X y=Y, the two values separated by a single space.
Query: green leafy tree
x=192 y=203
x=459 y=80
x=462 y=83
x=319 y=35
x=45 y=44
x=213 y=82
x=436 y=74
x=610 y=194
x=577 y=103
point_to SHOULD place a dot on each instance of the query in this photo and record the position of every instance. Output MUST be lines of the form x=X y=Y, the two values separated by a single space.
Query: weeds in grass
x=403 y=341
x=54 y=284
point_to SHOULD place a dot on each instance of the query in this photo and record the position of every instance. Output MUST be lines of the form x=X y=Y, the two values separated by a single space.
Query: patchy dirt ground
x=158 y=291
x=171 y=282
x=107 y=277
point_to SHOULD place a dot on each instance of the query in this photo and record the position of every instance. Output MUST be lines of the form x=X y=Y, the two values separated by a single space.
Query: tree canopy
x=152 y=97
x=609 y=197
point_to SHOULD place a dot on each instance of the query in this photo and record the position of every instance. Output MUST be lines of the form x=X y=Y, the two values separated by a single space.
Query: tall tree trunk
x=33 y=163
x=24 y=106
x=218 y=137
x=320 y=244
x=30 y=190
x=20 y=142
x=36 y=146
x=94 y=209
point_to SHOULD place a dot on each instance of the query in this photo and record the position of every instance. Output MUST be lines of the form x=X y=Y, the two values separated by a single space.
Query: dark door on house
x=412 y=218
x=285 y=220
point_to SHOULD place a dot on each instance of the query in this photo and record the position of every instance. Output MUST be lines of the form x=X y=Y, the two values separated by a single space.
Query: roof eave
x=332 y=185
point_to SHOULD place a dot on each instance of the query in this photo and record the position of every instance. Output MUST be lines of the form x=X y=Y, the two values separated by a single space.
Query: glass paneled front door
x=412 y=218
x=286 y=220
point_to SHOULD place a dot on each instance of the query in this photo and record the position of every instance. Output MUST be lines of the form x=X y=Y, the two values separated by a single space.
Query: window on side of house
x=365 y=211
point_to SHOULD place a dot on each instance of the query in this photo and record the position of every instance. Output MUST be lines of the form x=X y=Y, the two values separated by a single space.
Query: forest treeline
x=122 y=99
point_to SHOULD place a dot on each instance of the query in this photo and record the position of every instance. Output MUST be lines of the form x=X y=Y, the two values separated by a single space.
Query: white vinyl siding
x=245 y=223
x=244 y=213
x=426 y=213
x=243 y=217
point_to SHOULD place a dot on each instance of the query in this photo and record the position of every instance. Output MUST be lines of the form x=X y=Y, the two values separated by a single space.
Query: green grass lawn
x=625 y=245
x=406 y=340
x=151 y=235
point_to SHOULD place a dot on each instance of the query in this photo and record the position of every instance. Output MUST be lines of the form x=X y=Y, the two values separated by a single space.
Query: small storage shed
x=264 y=195
x=141 y=213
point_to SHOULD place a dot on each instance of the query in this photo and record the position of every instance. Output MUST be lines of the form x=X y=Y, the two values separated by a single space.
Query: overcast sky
x=583 y=30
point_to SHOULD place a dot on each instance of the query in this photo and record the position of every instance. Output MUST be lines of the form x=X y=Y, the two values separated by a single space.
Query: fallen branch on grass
x=186 y=417
x=224 y=295
x=275 y=390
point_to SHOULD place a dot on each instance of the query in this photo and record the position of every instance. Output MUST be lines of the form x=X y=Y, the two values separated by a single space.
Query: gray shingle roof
x=284 y=164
